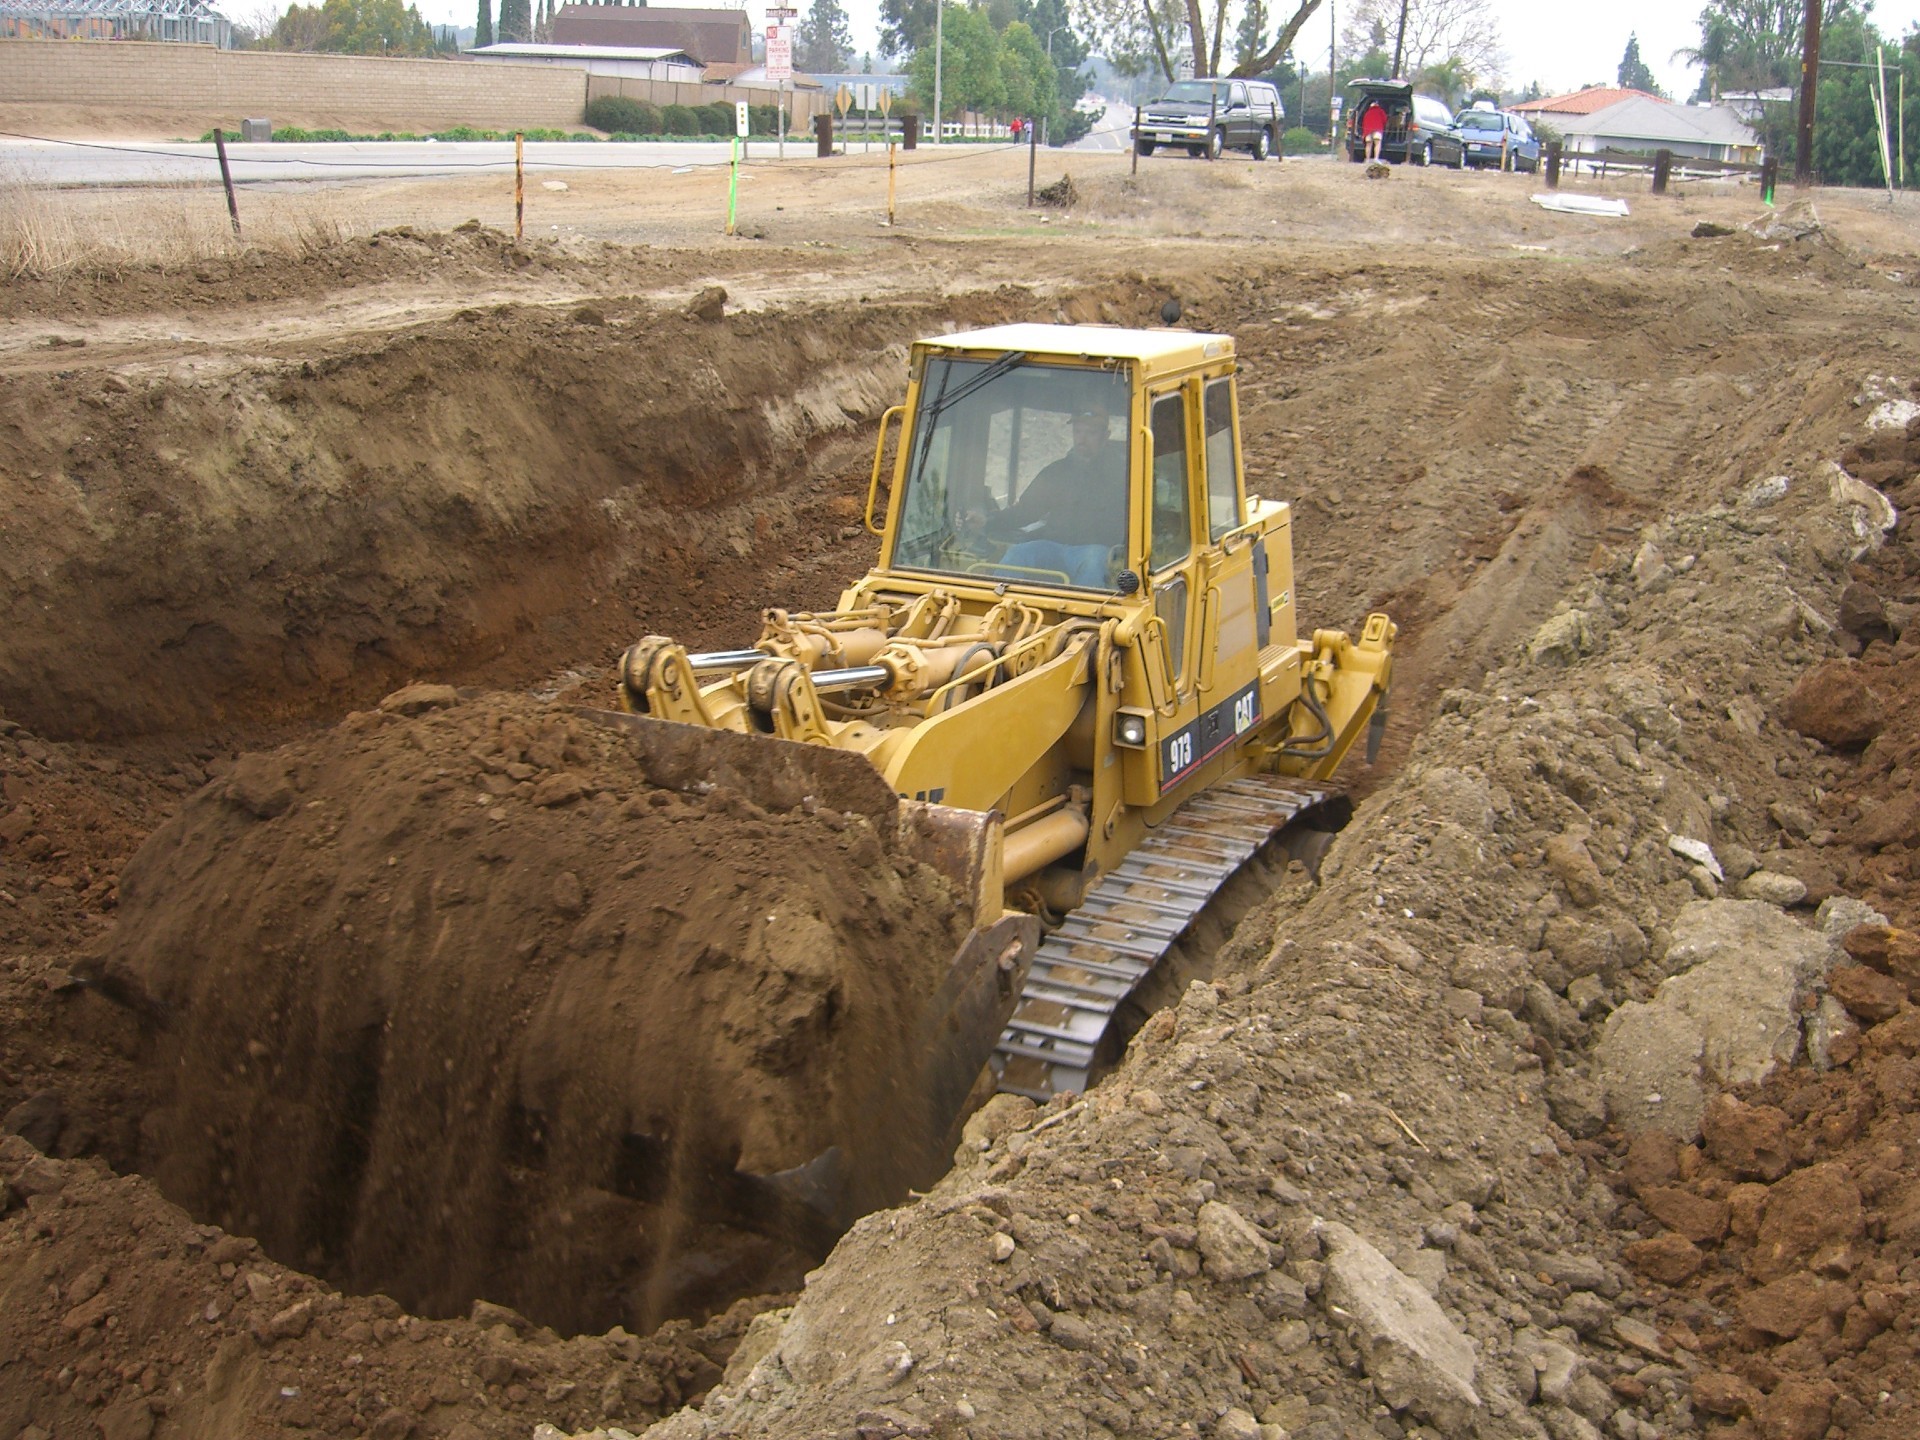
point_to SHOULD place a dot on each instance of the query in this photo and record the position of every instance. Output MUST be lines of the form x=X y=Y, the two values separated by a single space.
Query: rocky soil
x=1575 y=1095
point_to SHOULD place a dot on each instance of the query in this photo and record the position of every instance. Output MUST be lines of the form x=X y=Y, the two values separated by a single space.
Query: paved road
x=136 y=162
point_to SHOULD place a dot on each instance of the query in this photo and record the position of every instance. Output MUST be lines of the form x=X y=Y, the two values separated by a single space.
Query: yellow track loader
x=1078 y=646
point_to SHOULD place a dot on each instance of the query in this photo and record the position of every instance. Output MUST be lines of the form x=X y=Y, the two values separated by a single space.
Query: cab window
x=1172 y=537
x=1223 y=461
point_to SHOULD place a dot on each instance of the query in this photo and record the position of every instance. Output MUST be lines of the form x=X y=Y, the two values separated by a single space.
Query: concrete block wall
x=208 y=87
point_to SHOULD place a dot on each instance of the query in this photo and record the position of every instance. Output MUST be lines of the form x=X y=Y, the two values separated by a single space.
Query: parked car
x=1485 y=130
x=1419 y=129
x=1208 y=117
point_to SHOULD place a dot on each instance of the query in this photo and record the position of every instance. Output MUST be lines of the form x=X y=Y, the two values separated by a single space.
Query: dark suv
x=1419 y=129
x=1211 y=116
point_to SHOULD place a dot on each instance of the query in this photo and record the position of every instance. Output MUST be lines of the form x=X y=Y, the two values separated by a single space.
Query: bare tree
x=1142 y=35
x=1437 y=31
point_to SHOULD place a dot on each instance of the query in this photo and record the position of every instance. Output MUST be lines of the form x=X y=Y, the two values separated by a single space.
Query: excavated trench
x=469 y=996
x=459 y=999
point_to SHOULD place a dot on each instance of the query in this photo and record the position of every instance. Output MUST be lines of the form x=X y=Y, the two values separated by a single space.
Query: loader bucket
x=937 y=1066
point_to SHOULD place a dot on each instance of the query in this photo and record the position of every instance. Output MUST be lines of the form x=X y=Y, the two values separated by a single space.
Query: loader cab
x=1016 y=469
x=1095 y=471
x=1027 y=465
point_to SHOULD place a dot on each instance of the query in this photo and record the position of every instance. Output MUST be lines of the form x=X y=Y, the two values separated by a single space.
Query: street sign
x=779 y=53
x=863 y=95
x=886 y=99
x=740 y=118
x=843 y=100
x=782 y=12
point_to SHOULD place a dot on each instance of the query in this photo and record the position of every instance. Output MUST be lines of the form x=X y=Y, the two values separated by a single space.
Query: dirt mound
x=482 y=998
x=117 y=1311
x=1792 y=1236
x=299 y=533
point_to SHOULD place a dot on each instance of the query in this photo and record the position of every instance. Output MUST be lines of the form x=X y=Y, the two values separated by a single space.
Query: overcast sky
x=1561 y=44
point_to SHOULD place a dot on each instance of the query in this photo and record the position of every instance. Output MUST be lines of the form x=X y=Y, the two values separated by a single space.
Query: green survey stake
x=733 y=185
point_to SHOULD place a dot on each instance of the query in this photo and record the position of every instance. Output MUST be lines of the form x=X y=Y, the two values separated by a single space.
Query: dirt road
x=1379 y=1173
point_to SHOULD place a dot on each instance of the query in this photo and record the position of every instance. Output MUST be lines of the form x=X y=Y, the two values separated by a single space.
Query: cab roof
x=1158 y=349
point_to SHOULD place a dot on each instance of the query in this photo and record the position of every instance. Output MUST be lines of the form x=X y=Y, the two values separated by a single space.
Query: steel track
x=1085 y=970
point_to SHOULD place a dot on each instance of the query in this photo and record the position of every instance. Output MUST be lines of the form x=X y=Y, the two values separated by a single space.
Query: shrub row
x=619 y=115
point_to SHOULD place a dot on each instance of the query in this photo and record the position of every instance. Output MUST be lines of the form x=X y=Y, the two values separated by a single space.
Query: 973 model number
x=1208 y=734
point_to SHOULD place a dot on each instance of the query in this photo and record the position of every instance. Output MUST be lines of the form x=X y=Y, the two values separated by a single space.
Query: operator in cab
x=1073 y=515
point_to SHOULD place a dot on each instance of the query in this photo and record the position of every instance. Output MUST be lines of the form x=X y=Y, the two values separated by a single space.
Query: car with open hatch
x=1418 y=129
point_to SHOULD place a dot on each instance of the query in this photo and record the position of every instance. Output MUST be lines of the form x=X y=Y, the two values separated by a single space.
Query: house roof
x=1643 y=118
x=1583 y=102
x=712 y=37
x=513 y=49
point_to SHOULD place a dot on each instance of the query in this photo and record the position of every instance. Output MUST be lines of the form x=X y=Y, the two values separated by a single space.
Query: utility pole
x=1333 y=70
x=1400 y=40
x=939 y=15
x=1809 y=84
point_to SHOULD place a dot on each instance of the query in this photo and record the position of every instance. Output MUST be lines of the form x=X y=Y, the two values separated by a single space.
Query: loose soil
x=523 y=1001
x=1550 y=453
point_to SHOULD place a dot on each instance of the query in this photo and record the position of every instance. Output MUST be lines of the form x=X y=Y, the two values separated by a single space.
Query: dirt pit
x=481 y=998
x=1588 y=469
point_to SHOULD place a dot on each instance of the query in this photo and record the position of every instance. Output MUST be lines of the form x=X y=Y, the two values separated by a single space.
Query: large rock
x=1807 y=1212
x=1747 y=1139
x=1786 y=1307
x=1834 y=703
x=1230 y=1248
x=1891 y=822
x=1729 y=1014
x=1648 y=1062
x=1415 y=1357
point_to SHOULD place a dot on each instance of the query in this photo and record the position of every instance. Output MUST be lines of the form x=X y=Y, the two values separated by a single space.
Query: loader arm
x=971 y=756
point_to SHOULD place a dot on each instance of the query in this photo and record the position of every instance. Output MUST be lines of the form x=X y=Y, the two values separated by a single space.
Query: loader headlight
x=1130 y=730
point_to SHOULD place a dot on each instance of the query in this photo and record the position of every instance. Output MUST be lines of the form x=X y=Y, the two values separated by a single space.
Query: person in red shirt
x=1373 y=128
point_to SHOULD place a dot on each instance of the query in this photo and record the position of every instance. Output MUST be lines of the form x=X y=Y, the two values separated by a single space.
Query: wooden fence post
x=1553 y=166
x=226 y=178
x=1662 y=170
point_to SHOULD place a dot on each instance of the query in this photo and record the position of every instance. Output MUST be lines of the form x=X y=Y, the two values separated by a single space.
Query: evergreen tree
x=516 y=22
x=354 y=27
x=1634 y=74
x=483 y=27
x=1250 y=40
x=905 y=26
x=824 y=44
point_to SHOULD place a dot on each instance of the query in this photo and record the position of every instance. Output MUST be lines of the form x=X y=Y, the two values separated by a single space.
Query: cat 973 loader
x=1079 y=647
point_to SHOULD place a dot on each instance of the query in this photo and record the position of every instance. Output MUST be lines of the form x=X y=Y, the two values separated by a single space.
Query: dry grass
x=47 y=232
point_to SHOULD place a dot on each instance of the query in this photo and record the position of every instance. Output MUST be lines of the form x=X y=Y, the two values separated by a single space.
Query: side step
x=1092 y=963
